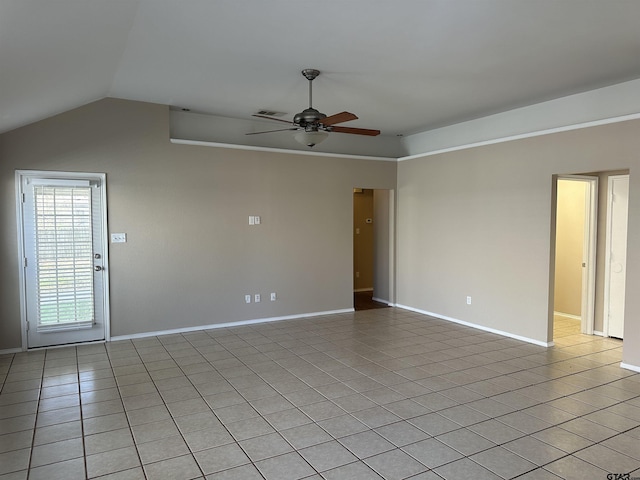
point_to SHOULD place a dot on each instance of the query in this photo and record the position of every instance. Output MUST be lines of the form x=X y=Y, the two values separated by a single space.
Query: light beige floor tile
x=14 y=461
x=203 y=439
x=327 y=456
x=57 y=452
x=111 y=461
x=395 y=464
x=148 y=415
x=16 y=441
x=502 y=462
x=67 y=470
x=243 y=472
x=17 y=424
x=197 y=421
x=149 y=432
x=249 y=428
x=130 y=474
x=18 y=409
x=56 y=433
x=184 y=467
x=104 y=423
x=163 y=449
x=98 y=409
x=285 y=467
x=61 y=415
x=111 y=440
x=221 y=458
x=19 y=475
x=188 y=407
x=342 y=426
x=259 y=448
x=19 y=397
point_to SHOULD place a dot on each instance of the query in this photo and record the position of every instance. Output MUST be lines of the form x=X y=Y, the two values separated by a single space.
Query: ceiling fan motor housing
x=309 y=116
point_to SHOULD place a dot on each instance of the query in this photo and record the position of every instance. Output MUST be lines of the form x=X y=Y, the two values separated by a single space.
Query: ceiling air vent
x=270 y=113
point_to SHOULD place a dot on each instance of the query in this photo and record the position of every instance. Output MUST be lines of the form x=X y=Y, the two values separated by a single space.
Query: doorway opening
x=373 y=245
x=575 y=237
x=588 y=279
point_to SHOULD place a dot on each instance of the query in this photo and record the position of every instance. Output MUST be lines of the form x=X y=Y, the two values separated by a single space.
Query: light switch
x=118 y=238
x=252 y=220
x=257 y=219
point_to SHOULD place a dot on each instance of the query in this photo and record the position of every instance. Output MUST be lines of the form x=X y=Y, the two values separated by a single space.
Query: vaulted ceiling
x=402 y=66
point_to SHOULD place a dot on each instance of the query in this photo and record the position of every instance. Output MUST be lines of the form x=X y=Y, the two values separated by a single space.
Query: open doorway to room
x=590 y=254
x=574 y=285
x=372 y=248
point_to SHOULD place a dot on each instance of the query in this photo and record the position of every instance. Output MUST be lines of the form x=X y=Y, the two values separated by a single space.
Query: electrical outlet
x=468 y=300
x=247 y=299
x=273 y=297
x=256 y=298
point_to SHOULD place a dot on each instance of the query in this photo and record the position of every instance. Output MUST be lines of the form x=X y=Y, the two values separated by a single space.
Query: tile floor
x=375 y=394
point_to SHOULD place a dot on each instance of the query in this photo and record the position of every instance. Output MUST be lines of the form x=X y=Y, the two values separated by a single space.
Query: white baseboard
x=633 y=368
x=568 y=316
x=600 y=334
x=10 y=351
x=382 y=300
x=479 y=327
x=227 y=324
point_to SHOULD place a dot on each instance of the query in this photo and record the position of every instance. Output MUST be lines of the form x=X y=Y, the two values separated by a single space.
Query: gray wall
x=190 y=255
x=478 y=222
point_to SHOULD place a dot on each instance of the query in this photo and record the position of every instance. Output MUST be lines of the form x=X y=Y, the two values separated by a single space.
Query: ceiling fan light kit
x=311 y=125
x=311 y=138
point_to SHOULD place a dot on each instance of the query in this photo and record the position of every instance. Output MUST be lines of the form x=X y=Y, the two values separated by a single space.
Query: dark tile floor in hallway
x=382 y=393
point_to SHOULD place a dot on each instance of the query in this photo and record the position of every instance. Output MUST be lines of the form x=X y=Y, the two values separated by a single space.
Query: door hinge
x=24 y=198
x=24 y=262
x=27 y=325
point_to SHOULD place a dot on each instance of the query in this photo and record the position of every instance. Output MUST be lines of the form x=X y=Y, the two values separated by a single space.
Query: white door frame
x=390 y=254
x=587 y=310
x=19 y=176
x=607 y=270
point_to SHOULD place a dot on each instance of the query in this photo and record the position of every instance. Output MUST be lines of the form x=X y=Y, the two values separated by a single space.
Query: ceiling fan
x=313 y=126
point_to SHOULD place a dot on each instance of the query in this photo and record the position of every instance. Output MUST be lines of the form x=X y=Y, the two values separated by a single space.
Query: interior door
x=616 y=260
x=63 y=233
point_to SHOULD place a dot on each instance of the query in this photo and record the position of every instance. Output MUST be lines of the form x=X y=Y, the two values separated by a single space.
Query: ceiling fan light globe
x=310 y=139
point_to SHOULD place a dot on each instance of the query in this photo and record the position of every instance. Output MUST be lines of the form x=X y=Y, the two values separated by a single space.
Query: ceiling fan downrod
x=310 y=74
x=309 y=118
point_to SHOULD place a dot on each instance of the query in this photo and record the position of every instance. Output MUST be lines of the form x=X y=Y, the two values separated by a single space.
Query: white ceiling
x=402 y=66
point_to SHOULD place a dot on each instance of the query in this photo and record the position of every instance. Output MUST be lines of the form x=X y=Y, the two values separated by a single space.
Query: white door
x=616 y=256
x=64 y=258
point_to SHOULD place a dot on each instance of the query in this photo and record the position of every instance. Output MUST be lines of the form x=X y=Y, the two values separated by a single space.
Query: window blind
x=64 y=256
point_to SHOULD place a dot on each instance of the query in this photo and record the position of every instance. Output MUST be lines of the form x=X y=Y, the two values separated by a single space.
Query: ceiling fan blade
x=356 y=131
x=271 y=131
x=271 y=118
x=338 y=118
